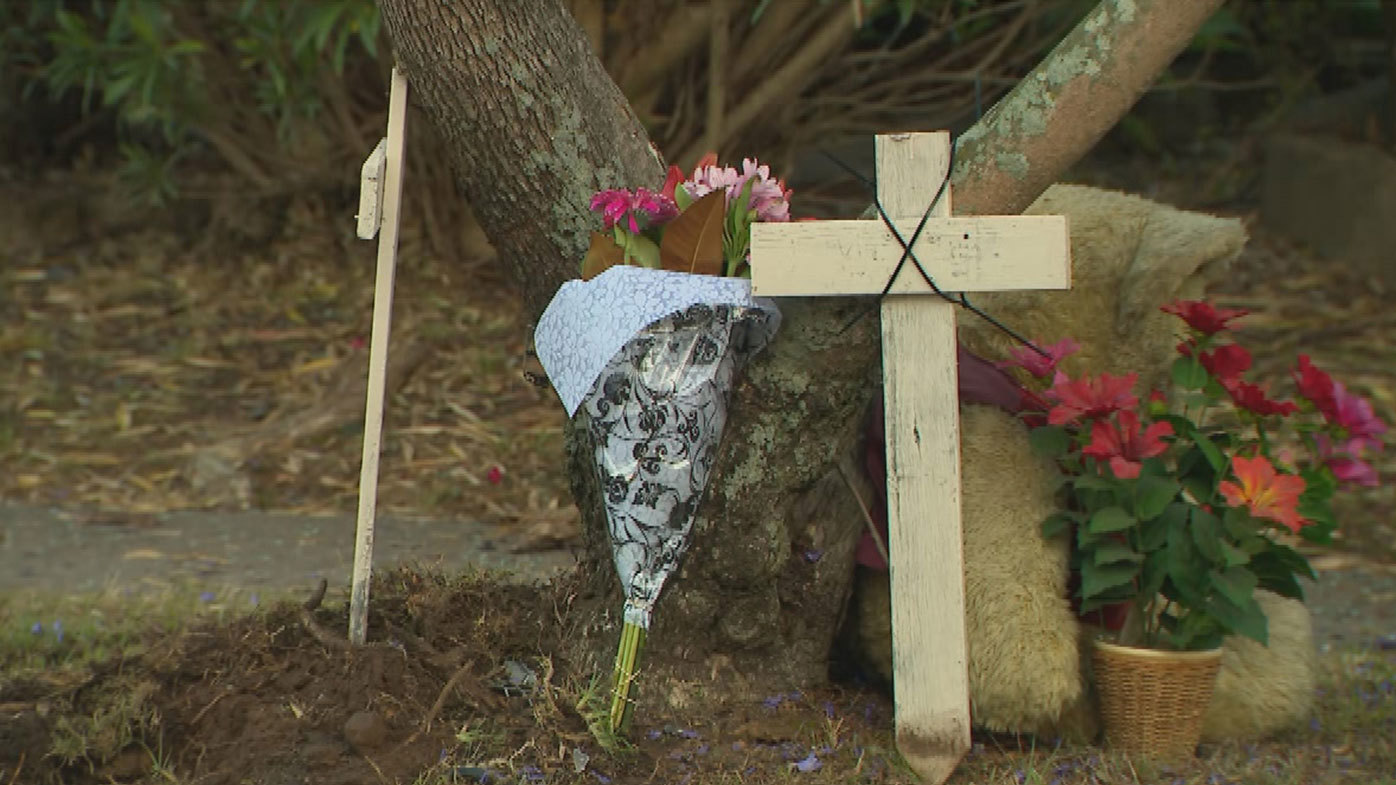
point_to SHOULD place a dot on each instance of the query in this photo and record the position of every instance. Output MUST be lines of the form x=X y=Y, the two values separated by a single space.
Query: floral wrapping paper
x=656 y=403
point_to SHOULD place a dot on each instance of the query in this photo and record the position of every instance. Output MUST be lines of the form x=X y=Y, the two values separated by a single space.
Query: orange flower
x=1267 y=493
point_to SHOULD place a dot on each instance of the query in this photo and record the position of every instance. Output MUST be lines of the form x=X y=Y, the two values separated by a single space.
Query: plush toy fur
x=1029 y=663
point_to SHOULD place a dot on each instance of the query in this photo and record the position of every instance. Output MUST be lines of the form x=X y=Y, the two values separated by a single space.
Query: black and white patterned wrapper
x=651 y=356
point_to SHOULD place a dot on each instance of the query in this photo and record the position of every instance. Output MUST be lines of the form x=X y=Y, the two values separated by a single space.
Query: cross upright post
x=920 y=391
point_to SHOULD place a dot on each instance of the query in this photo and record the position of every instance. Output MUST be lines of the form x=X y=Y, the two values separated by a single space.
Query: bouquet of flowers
x=1182 y=505
x=648 y=344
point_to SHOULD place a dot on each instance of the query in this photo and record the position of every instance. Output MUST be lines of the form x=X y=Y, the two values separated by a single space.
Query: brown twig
x=18 y=768
x=720 y=27
x=311 y=626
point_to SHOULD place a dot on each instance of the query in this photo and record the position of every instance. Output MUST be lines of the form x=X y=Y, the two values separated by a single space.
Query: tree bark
x=534 y=126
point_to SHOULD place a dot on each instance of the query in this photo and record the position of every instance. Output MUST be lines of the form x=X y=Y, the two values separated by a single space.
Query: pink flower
x=495 y=475
x=1344 y=460
x=769 y=198
x=1124 y=445
x=1090 y=398
x=1038 y=365
x=617 y=203
x=1354 y=414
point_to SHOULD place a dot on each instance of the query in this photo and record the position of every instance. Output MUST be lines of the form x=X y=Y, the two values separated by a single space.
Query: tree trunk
x=534 y=126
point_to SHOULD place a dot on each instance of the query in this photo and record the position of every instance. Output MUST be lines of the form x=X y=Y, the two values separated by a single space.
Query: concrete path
x=48 y=550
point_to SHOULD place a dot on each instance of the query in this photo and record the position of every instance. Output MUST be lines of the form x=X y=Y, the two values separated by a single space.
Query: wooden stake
x=391 y=189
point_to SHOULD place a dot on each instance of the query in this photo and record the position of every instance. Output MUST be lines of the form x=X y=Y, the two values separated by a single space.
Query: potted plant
x=1182 y=505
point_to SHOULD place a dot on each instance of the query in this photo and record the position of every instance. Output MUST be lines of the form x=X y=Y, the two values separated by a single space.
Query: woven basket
x=1152 y=701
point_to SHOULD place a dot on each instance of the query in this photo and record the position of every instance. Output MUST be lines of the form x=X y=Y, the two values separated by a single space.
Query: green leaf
x=1189 y=374
x=1206 y=532
x=1237 y=584
x=1152 y=494
x=1234 y=556
x=1092 y=482
x=1049 y=441
x=1110 y=519
x=1153 y=534
x=1186 y=569
x=1097 y=579
x=1241 y=618
x=1056 y=524
x=1110 y=552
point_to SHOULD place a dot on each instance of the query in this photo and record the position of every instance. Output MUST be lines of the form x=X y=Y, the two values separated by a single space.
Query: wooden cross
x=920 y=388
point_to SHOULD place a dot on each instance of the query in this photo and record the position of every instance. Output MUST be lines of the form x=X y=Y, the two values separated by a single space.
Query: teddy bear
x=1028 y=650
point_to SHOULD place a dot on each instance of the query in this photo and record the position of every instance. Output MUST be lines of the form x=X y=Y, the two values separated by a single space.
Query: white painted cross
x=920 y=389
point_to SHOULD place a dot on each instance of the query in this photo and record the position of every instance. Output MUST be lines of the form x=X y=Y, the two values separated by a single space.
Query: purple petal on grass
x=1020 y=776
x=206 y=597
x=688 y=733
x=773 y=702
x=58 y=629
x=38 y=628
x=702 y=749
x=813 y=555
x=601 y=778
x=653 y=733
x=532 y=773
x=829 y=709
x=809 y=763
x=253 y=599
x=1315 y=725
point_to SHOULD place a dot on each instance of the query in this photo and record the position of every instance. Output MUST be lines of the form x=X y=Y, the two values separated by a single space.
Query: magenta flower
x=1345 y=462
x=1354 y=414
x=1039 y=365
x=617 y=203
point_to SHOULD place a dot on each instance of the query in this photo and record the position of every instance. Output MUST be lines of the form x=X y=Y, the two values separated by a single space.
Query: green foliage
x=178 y=76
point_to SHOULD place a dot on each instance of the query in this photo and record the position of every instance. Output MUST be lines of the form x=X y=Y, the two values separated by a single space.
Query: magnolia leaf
x=1110 y=519
x=693 y=241
x=1097 y=579
x=603 y=254
x=1110 y=552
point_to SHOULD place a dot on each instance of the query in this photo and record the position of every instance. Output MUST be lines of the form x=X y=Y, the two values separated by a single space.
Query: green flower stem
x=632 y=639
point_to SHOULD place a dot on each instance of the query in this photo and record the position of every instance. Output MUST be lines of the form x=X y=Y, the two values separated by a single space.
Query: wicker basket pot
x=1152 y=701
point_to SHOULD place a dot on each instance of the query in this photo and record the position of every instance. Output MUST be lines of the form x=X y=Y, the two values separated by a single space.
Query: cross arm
x=962 y=254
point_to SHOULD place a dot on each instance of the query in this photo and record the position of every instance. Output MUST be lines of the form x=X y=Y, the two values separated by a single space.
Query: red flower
x=1124 y=446
x=1265 y=492
x=1040 y=365
x=1203 y=316
x=1315 y=385
x=671 y=182
x=1091 y=398
x=1226 y=362
x=1252 y=398
x=495 y=475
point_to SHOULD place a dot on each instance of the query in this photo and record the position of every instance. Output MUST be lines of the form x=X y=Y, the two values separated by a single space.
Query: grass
x=54 y=632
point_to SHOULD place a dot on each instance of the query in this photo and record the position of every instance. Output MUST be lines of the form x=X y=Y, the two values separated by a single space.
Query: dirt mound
x=460 y=683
